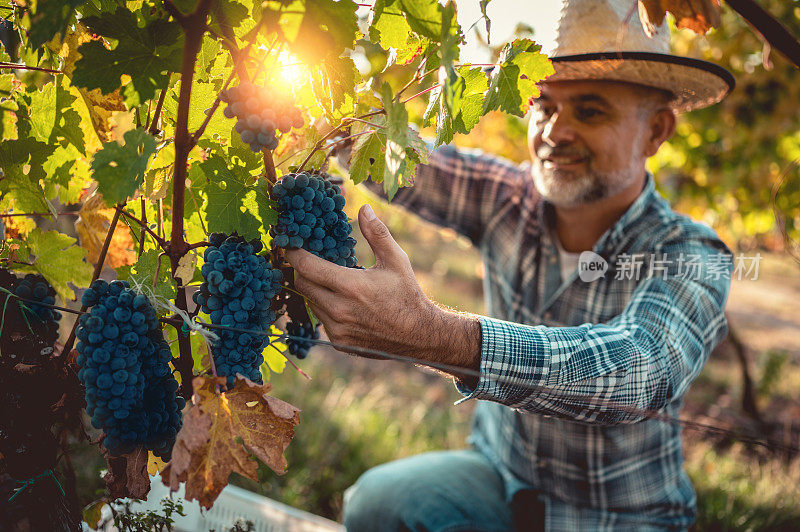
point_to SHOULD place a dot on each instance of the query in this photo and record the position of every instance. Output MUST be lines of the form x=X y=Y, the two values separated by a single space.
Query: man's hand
x=383 y=308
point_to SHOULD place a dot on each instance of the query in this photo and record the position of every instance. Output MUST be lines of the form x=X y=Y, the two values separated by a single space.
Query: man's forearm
x=455 y=340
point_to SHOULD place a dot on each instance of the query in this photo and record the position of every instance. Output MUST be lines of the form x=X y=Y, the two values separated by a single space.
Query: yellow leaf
x=697 y=15
x=92 y=227
x=220 y=434
x=154 y=464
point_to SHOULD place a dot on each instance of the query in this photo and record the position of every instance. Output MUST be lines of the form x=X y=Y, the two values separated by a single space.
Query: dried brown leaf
x=697 y=15
x=221 y=433
x=92 y=227
x=127 y=474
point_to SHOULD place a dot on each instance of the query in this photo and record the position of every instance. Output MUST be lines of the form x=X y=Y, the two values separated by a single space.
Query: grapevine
x=142 y=133
x=237 y=292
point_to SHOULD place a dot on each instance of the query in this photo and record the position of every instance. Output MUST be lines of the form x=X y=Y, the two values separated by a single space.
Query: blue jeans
x=443 y=491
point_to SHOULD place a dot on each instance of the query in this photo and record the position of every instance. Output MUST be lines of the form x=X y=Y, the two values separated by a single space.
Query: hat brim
x=695 y=83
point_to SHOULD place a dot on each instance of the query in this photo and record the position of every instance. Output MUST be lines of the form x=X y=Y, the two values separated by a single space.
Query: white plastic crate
x=233 y=503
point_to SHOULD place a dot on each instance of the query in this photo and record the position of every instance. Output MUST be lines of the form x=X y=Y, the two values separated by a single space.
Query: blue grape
x=125 y=365
x=300 y=338
x=311 y=217
x=257 y=110
x=241 y=299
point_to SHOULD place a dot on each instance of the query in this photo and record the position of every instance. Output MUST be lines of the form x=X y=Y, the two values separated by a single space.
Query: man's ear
x=661 y=127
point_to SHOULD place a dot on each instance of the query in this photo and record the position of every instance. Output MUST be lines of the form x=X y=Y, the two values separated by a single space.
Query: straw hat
x=605 y=40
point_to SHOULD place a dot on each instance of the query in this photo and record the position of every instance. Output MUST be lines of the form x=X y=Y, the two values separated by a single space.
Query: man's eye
x=544 y=113
x=586 y=113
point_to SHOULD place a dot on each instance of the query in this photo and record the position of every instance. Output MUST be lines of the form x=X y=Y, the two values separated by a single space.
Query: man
x=571 y=363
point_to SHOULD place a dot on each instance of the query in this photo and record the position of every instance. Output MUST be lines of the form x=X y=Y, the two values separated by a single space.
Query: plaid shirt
x=595 y=355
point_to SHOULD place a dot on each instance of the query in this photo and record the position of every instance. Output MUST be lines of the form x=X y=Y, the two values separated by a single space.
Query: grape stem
x=194 y=27
x=98 y=268
x=160 y=241
x=153 y=124
x=16 y=66
x=199 y=133
x=332 y=133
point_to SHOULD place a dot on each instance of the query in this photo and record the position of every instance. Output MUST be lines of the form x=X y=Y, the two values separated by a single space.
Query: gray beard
x=566 y=189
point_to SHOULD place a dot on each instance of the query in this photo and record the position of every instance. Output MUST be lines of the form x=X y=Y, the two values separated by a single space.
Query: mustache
x=546 y=152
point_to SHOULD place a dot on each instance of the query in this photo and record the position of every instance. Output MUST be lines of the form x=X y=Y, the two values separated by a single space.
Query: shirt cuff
x=513 y=362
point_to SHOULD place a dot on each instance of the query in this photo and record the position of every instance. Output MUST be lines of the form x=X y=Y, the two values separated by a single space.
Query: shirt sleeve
x=460 y=189
x=619 y=371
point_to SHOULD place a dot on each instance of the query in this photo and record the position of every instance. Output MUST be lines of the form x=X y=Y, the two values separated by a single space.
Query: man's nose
x=558 y=130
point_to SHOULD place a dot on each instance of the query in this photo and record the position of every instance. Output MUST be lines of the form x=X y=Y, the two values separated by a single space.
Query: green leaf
x=389 y=28
x=144 y=271
x=206 y=59
x=513 y=81
x=424 y=17
x=146 y=54
x=395 y=171
x=230 y=203
x=119 y=170
x=60 y=261
x=43 y=117
x=51 y=17
x=471 y=108
x=203 y=95
x=21 y=162
x=367 y=159
x=369 y=155
x=315 y=29
x=334 y=86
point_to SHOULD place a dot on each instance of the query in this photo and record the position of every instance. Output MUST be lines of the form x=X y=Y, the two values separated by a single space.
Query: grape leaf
x=394 y=172
x=119 y=170
x=483 y=4
x=367 y=159
x=51 y=17
x=144 y=271
x=21 y=161
x=93 y=223
x=368 y=156
x=334 y=84
x=222 y=431
x=43 y=119
x=513 y=81
x=59 y=260
x=127 y=474
x=697 y=15
x=8 y=108
x=229 y=203
x=145 y=54
x=424 y=17
x=203 y=95
x=306 y=25
x=389 y=28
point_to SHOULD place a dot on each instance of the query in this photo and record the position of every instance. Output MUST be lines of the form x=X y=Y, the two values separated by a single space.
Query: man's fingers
x=317 y=269
x=316 y=294
x=387 y=251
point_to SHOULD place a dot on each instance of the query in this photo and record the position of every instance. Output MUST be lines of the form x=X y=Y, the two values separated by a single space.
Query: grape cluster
x=302 y=334
x=259 y=112
x=311 y=217
x=124 y=360
x=237 y=292
x=34 y=287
